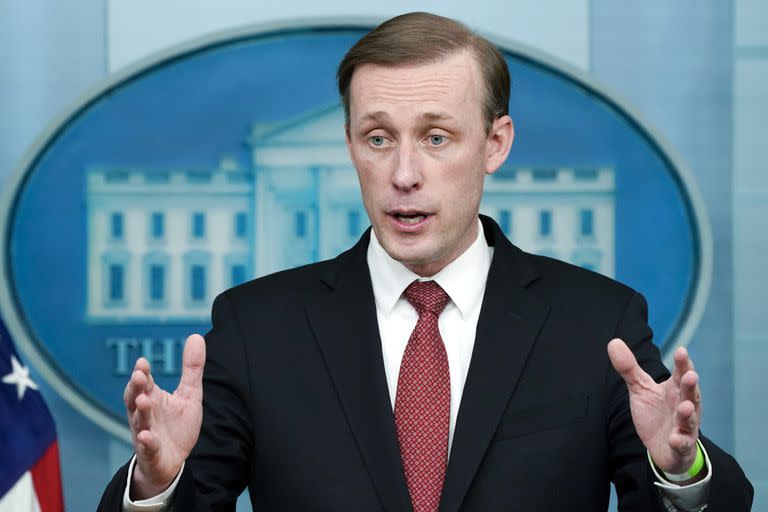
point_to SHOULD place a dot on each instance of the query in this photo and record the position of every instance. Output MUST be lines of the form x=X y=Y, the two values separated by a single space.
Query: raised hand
x=666 y=415
x=164 y=426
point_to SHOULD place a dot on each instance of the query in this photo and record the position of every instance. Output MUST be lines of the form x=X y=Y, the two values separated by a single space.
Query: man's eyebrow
x=379 y=116
x=436 y=116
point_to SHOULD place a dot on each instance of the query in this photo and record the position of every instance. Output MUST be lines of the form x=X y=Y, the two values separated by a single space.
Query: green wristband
x=698 y=465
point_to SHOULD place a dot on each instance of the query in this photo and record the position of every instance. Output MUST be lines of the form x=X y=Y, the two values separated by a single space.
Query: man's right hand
x=164 y=426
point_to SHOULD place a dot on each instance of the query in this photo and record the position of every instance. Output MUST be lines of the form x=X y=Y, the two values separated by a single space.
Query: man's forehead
x=454 y=78
x=459 y=63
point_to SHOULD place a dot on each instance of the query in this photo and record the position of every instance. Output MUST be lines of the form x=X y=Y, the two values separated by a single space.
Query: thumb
x=192 y=363
x=624 y=362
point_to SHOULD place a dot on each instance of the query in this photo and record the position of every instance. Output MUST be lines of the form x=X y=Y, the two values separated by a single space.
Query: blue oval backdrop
x=227 y=161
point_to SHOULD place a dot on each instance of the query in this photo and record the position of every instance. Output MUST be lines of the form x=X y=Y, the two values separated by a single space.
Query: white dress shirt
x=464 y=281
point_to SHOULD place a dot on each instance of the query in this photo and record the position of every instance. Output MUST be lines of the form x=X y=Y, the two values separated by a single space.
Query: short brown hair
x=420 y=38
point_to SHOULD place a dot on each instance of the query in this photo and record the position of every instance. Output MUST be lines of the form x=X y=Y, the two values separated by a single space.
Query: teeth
x=411 y=220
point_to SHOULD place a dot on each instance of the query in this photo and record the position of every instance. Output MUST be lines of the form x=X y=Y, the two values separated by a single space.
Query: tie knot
x=426 y=296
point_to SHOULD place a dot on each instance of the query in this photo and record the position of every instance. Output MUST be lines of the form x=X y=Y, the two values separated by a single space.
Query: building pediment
x=319 y=127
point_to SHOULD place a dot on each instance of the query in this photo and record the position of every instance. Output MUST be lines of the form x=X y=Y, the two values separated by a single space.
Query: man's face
x=417 y=139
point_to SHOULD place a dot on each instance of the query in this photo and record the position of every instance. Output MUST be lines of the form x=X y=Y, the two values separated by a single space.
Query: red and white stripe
x=39 y=489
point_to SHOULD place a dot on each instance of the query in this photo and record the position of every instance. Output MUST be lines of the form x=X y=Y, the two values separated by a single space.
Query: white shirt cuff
x=154 y=504
x=688 y=498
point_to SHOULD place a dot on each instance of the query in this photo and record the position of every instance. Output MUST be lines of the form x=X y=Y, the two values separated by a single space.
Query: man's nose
x=408 y=172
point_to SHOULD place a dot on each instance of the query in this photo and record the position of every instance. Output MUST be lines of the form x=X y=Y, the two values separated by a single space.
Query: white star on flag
x=20 y=377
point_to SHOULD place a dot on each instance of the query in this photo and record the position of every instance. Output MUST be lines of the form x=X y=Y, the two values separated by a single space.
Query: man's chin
x=407 y=256
x=418 y=261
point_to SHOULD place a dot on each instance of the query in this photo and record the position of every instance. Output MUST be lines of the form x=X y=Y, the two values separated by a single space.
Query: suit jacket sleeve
x=219 y=466
x=729 y=488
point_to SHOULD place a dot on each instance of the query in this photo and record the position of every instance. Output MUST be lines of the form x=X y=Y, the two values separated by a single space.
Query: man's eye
x=436 y=140
x=376 y=140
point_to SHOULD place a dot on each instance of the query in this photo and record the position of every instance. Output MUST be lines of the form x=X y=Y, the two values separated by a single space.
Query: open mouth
x=410 y=219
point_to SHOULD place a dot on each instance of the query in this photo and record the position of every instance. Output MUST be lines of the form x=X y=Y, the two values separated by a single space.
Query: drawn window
x=156 y=282
x=197 y=282
x=198 y=225
x=241 y=225
x=155 y=272
x=116 y=282
x=587 y=222
x=585 y=174
x=199 y=176
x=116 y=227
x=238 y=274
x=545 y=223
x=544 y=174
x=157 y=225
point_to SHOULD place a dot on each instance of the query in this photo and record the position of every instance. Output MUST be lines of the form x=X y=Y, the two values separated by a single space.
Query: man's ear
x=499 y=143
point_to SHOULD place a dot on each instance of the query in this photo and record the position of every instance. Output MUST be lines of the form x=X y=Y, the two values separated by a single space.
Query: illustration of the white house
x=163 y=242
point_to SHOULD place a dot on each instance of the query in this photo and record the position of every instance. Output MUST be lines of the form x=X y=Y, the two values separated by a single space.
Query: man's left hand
x=666 y=415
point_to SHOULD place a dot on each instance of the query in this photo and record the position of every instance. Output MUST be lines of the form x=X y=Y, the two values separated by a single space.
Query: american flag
x=30 y=479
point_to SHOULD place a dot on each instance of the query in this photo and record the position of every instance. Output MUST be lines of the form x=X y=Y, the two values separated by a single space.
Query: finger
x=148 y=443
x=136 y=385
x=136 y=382
x=192 y=364
x=624 y=362
x=141 y=419
x=682 y=444
x=142 y=365
x=150 y=383
x=689 y=388
x=686 y=418
x=683 y=364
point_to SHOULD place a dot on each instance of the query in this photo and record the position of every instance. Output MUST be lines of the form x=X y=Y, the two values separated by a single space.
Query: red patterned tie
x=423 y=402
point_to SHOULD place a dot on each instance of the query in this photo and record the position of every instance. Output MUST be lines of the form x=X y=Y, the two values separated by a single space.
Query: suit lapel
x=346 y=329
x=510 y=319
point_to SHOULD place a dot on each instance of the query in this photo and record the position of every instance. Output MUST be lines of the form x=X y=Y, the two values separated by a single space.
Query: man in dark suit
x=434 y=365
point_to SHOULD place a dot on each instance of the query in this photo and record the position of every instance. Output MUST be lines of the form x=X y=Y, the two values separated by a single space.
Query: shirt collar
x=463 y=279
